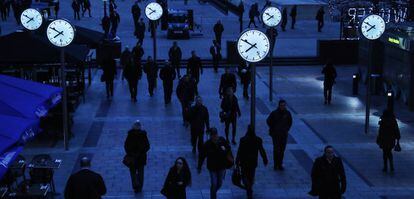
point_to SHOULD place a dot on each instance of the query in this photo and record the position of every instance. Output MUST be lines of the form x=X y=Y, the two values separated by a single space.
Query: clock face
x=271 y=16
x=253 y=45
x=60 y=33
x=31 y=19
x=372 y=27
x=153 y=11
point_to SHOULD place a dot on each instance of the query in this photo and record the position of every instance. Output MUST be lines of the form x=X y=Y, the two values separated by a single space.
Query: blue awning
x=28 y=99
x=16 y=131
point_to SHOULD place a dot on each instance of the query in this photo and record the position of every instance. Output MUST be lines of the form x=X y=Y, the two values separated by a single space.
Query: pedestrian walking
x=186 y=93
x=126 y=57
x=267 y=4
x=328 y=176
x=132 y=73
x=175 y=56
x=252 y=14
x=140 y=31
x=194 y=67
x=256 y=12
x=215 y=52
x=320 y=18
x=108 y=76
x=136 y=13
x=85 y=184
x=230 y=112
x=167 y=75
x=284 y=19
x=329 y=73
x=279 y=123
x=56 y=8
x=115 y=20
x=227 y=80
x=136 y=148
x=293 y=14
x=138 y=52
x=112 y=6
x=106 y=25
x=245 y=77
x=199 y=119
x=17 y=10
x=3 y=10
x=218 y=31
x=86 y=7
x=76 y=9
x=247 y=155
x=151 y=69
x=219 y=158
x=388 y=137
x=272 y=34
x=178 y=178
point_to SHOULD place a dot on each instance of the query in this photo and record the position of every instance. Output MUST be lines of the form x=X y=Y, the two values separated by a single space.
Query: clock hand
x=151 y=12
x=372 y=27
x=26 y=16
x=267 y=14
x=368 y=24
x=30 y=19
x=245 y=40
x=269 y=18
x=253 y=46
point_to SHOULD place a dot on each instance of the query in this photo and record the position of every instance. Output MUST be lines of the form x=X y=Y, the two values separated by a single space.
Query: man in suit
x=199 y=121
x=215 y=54
x=194 y=66
x=175 y=55
x=167 y=75
x=227 y=80
x=85 y=184
x=218 y=31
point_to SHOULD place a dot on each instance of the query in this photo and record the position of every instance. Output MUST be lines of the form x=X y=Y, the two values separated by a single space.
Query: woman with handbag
x=388 y=138
x=178 y=178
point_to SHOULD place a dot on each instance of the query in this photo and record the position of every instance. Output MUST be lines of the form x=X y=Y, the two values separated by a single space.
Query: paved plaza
x=100 y=126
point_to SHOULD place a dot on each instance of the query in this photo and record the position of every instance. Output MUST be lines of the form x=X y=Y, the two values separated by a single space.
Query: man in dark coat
x=215 y=150
x=252 y=14
x=140 y=31
x=137 y=146
x=272 y=34
x=218 y=31
x=227 y=80
x=108 y=76
x=215 y=54
x=245 y=77
x=293 y=14
x=137 y=52
x=329 y=72
x=186 y=92
x=320 y=15
x=86 y=7
x=115 y=20
x=247 y=155
x=328 y=176
x=194 y=66
x=388 y=136
x=167 y=75
x=132 y=73
x=199 y=120
x=175 y=55
x=136 y=13
x=85 y=184
x=230 y=106
x=151 y=69
x=279 y=122
x=106 y=25
x=284 y=19
x=76 y=9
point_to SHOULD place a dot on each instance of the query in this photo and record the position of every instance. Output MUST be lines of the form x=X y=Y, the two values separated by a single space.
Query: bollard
x=390 y=100
x=355 y=84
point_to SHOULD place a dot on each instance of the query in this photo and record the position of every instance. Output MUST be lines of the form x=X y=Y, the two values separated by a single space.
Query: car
x=178 y=24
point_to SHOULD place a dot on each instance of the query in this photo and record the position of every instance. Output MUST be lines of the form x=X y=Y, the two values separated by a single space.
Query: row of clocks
x=59 y=32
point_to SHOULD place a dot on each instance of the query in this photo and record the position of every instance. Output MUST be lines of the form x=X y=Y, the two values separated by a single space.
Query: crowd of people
x=327 y=175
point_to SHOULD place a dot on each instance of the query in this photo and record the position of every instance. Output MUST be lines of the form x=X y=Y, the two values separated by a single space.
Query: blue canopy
x=16 y=131
x=27 y=99
x=7 y=158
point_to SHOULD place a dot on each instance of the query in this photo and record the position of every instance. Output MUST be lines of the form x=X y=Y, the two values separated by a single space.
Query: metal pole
x=155 y=46
x=271 y=65
x=253 y=96
x=105 y=8
x=64 y=99
x=368 y=91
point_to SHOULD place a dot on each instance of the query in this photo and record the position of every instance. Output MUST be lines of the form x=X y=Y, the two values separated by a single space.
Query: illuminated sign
x=395 y=15
x=393 y=40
